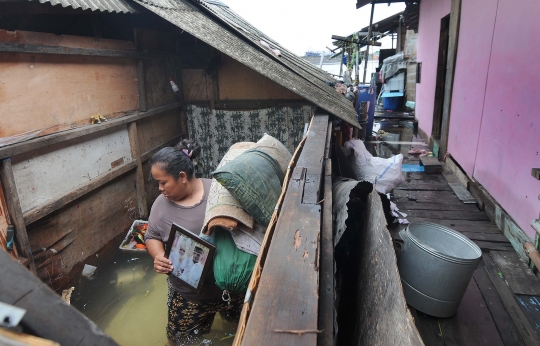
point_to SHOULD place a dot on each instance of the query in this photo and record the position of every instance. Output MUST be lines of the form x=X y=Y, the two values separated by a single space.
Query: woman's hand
x=162 y=265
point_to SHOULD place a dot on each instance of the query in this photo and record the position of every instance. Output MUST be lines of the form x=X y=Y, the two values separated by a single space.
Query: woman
x=183 y=201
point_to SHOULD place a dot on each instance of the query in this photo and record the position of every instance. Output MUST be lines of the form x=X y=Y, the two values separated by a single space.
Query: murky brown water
x=128 y=300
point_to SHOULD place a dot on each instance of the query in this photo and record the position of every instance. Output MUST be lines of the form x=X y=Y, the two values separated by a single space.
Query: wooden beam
x=47 y=315
x=455 y=14
x=15 y=212
x=287 y=297
x=45 y=141
x=47 y=208
x=141 y=83
x=326 y=276
x=9 y=47
x=139 y=176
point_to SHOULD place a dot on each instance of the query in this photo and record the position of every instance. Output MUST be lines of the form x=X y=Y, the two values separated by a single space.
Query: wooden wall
x=80 y=188
x=234 y=82
x=65 y=90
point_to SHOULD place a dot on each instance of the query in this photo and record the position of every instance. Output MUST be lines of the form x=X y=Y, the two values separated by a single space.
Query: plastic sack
x=232 y=266
x=385 y=174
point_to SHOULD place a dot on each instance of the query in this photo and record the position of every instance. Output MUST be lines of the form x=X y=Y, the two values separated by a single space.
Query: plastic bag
x=232 y=266
x=385 y=174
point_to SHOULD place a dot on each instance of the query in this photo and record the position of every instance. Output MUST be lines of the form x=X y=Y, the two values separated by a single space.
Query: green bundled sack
x=254 y=178
x=232 y=266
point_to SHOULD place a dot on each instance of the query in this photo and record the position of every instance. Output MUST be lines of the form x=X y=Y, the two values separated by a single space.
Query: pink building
x=493 y=124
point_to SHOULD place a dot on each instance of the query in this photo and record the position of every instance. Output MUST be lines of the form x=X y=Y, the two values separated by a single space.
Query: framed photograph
x=190 y=255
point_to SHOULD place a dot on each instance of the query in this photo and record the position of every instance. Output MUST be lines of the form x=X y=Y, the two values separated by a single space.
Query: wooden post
x=369 y=38
x=15 y=212
x=455 y=15
x=143 y=107
x=139 y=176
x=341 y=62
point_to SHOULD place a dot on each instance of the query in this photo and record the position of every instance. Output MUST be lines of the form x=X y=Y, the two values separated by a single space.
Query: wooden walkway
x=502 y=303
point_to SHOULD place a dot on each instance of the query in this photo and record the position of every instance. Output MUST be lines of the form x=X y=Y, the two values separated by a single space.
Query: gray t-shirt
x=162 y=216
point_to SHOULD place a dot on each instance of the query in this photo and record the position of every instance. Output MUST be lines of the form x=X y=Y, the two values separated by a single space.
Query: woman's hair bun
x=192 y=150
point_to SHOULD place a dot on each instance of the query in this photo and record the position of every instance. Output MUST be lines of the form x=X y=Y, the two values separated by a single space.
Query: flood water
x=128 y=300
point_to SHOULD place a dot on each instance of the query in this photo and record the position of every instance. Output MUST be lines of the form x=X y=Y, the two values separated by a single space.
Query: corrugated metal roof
x=120 y=6
x=215 y=24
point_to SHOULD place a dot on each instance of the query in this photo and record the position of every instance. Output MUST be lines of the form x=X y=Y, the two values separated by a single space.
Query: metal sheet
x=120 y=6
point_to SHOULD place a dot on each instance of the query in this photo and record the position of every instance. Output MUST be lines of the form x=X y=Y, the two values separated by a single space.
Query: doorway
x=441 y=79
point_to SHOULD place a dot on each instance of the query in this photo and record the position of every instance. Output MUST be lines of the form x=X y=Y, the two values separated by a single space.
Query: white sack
x=385 y=174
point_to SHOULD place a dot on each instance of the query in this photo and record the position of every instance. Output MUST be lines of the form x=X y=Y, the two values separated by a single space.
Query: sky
x=308 y=25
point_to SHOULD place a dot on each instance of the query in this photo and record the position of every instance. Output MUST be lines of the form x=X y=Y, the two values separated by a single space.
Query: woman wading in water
x=183 y=201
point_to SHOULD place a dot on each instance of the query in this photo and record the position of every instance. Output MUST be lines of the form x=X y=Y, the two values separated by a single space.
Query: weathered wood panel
x=43 y=94
x=50 y=172
x=95 y=220
x=383 y=317
x=517 y=274
x=238 y=82
x=158 y=88
x=47 y=39
x=47 y=315
x=285 y=308
x=197 y=85
x=156 y=130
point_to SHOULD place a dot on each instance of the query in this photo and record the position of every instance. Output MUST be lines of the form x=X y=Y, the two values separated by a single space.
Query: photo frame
x=191 y=256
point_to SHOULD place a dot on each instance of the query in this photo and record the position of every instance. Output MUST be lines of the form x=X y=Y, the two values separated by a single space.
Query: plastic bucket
x=436 y=264
x=391 y=103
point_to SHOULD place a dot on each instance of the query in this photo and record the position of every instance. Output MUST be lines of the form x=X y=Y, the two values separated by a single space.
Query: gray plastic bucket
x=436 y=264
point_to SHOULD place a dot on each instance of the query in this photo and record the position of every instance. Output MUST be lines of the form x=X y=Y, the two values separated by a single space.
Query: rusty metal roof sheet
x=120 y=6
x=217 y=25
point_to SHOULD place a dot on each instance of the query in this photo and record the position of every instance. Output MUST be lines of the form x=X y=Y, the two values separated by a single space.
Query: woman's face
x=173 y=189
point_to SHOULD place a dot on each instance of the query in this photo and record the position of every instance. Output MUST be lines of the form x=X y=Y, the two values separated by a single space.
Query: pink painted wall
x=494 y=129
x=429 y=28
x=509 y=142
x=474 y=49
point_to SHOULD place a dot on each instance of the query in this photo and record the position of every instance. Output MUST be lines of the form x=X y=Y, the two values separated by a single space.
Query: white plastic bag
x=385 y=174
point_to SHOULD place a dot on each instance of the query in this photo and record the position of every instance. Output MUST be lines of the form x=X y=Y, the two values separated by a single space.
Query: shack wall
x=45 y=94
x=429 y=27
x=493 y=131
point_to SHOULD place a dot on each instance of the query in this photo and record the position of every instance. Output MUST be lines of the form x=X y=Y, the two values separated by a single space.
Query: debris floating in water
x=88 y=270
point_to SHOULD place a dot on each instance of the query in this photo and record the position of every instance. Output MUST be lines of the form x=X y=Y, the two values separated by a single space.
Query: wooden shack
x=71 y=188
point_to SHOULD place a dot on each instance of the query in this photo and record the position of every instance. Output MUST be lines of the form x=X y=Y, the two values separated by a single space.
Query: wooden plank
x=448 y=215
x=287 y=297
x=312 y=157
x=424 y=196
x=141 y=84
x=487 y=246
x=527 y=332
x=453 y=38
x=473 y=324
x=15 y=212
x=450 y=168
x=516 y=273
x=9 y=47
x=326 y=278
x=47 y=315
x=507 y=329
x=139 y=175
x=416 y=185
x=47 y=208
x=465 y=225
x=431 y=164
x=530 y=305
x=490 y=237
x=454 y=206
x=19 y=148
x=10 y=338
x=462 y=193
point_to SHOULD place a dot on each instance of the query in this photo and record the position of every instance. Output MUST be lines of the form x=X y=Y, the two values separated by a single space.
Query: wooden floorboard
x=499 y=306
